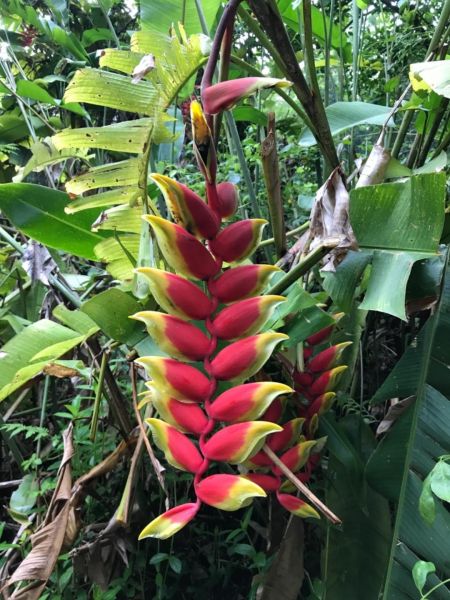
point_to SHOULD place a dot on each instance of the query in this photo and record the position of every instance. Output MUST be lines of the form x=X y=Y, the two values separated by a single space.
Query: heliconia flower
x=181 y=381
x=302 y=379
x=244 y=358
x=267 y=482
x=323 y=334
x=328 y=358
x=227 y=199
x=178 y=449
x=177 y=295
x=174 y=336
x=235 y=443
x=205 y=152
x=224 y=95
x=245 y=317
x=295 y=458
x=274 y=412
x=187 y=208
x=241 y=282
x=246 y=402
x=187 y=418
x=321 y=404
x=327 y=381
x=170 y=522
x=239 y=240
x=260 y=460
x=297 y=507
x=285 y=438
x=183 y=251
x=228 y=492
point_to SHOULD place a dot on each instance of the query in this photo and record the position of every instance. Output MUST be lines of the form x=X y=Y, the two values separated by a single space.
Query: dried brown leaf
x=397 y=408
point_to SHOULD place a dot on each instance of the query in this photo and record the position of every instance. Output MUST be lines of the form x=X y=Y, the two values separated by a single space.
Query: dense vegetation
x=343 y=150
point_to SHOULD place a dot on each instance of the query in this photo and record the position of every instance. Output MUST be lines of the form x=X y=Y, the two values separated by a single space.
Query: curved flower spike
x=227 y=199
x=187 y=418
x=297 y=507
x=170 y=522
x=295 y=458
x=241 y=282
x=187 y=207
x=245 y=317
x=267 y=482
x=181 y=381
x=174 y=336
x=179 y=451
x=244 y=358
x=327 y=358
x=183 y=251
x=239 y=240
x=177 y=295
x=203 y=145
x=327 y=381
x=289 y=434
x=228 y=492
x=224 y=95
x=247 y=402
x=236 y=443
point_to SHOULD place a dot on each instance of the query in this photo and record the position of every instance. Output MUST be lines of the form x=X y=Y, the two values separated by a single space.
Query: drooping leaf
x=431 y=76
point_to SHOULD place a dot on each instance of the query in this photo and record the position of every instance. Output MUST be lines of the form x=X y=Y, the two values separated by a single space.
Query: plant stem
x=43 y=410
x=289 y=234
x=302 y=487
x=303 y=267
x=98 y=397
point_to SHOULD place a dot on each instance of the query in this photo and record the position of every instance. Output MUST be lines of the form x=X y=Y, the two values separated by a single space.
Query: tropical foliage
x=224 y=282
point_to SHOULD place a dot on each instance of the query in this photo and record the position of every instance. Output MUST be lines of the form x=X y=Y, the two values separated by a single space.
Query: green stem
x=302 y=267
x=43 y=411
x=98 y=397
x=427 y=595
x=289 y=234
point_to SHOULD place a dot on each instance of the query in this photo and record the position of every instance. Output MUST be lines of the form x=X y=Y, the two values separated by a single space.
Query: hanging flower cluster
x=207 y=413
x=295 y=444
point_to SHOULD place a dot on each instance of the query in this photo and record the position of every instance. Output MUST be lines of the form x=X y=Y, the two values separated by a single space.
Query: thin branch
x=302 y=487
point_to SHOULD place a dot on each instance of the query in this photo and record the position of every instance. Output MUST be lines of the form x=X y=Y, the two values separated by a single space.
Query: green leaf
x=98 y=34
x=159 y=15
x=440 y=480
x=345 y=115
x=112 y=252
x=420 y=572
x=111 y=311
x=417 y=445
x=18 y=361
x=248 y=113
x=24 y=498
x=123 y=173
x=356 y=554
x=400 y=223
x=30 y=89
x=38 y=212
x=431 y=76
x=102 y=88
x=310 y=320
x=45 y=155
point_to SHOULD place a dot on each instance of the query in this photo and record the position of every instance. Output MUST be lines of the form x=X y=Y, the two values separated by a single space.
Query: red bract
x=226 y=94
x=227 y=199
x=241 y=282
x=238 y=241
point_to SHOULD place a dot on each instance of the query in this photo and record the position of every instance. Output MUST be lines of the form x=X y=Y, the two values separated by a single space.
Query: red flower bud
x=297 y=507
x=179 y=451
x=327 y=381
x=285 y=438
x=323 y=334
x=295 y=458
x=227 y=199
x=241 y=282
x=239 y=240
x=327 y=358
x=177 y=295
x=321 y=404
x=246 y=402
x=267 y=482
x=188 y=418
x=170 y=522
x=228 y=492
x=245 y=317
x=183 y=251
x=244 y=358
x=224 y=95
x=235 y=443
x=181 y=381
x=187 y=208
x=274 y=412
x=174 y=336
